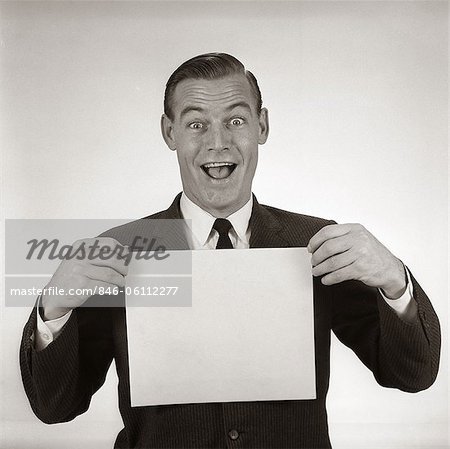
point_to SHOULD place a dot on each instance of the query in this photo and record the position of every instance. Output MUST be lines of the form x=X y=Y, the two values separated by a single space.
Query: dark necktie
x=222 y=226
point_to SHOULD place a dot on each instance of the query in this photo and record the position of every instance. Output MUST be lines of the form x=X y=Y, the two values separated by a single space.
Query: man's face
x=216 y=131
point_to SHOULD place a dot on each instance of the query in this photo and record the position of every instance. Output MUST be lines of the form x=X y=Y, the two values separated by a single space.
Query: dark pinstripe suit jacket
x=60 y=380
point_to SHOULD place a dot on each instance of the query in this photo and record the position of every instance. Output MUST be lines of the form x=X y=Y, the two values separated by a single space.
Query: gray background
x=357 y=96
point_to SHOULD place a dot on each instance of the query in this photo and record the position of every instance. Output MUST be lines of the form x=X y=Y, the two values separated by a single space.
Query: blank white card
x=248 y=336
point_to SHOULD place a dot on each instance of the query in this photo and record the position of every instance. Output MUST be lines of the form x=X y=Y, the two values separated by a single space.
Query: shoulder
x=154 y=226
x=161 y=215
x=297 y=226
x=159 y=225
x=296 y=217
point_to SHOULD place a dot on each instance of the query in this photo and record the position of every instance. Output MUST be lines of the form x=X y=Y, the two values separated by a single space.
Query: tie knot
x=222 y=226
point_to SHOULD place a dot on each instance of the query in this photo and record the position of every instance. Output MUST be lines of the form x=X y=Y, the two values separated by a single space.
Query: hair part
x=209 y=66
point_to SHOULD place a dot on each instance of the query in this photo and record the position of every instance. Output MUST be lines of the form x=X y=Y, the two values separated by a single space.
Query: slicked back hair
x=209 y=66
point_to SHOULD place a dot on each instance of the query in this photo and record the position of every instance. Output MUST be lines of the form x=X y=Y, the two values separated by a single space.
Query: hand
x=102 y=264
x=344 y=252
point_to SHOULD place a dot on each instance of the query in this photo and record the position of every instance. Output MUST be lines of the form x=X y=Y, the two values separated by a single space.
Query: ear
x=263 y=126
x=167 y=132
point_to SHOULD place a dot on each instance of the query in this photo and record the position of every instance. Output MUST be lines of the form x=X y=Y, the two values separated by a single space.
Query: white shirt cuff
x=47 y=331
x=405 y=306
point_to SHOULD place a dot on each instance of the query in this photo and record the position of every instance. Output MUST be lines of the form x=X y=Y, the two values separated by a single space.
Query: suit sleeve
x=60 y=380
x=400 y=354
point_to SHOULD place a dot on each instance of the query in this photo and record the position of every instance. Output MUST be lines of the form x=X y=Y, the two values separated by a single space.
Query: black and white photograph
x=224 y=224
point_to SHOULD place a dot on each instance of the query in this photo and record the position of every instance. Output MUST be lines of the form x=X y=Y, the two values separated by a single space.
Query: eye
x=196 y=125
x=237 y=121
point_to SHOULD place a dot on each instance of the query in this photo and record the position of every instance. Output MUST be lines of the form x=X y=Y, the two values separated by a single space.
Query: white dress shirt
x=200 y=223
x=203 y=236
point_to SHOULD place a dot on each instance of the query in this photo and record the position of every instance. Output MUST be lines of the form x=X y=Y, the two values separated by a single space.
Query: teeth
x=217 y=164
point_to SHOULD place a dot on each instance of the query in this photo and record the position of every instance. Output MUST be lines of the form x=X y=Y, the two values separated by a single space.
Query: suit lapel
x=265 y=228
x=173 y=212
x=172 y=232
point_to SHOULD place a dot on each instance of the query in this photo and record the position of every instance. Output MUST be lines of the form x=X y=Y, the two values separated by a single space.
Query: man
x=214 y=120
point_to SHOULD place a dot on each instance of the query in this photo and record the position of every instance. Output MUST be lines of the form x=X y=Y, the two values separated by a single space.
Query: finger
x=99 y=244
x=331 y=248
x=98 y=286
x=343 y=274
x=96 y=242
x=334 y=263
x=74 y=296
x=326 y=233
x=105 y=274
x=95 y=288
x=116 y=258
x=102 y=251
x=118 y=264
x=84 y=242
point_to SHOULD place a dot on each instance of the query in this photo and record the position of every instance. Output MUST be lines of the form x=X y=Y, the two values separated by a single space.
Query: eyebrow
x=241 y=104
x=190 y=109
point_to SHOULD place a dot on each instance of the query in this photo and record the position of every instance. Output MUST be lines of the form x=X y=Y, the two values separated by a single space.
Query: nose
x=218 y=138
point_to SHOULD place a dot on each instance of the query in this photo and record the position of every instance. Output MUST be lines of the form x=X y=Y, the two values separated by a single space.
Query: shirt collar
x=201 y=222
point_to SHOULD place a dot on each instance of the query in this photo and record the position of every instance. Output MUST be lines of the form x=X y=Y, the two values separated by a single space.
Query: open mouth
x=219 y=170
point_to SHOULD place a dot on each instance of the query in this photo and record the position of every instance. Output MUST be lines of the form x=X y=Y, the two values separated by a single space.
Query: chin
x=220 y=202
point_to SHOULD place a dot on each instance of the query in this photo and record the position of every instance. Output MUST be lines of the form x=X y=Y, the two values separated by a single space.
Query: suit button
x=233 y=434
